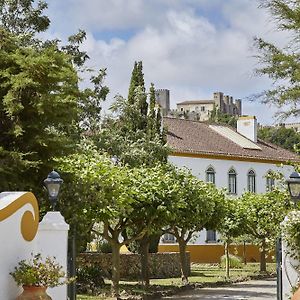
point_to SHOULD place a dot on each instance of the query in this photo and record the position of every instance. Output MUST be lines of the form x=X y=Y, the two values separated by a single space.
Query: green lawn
x=201 y=273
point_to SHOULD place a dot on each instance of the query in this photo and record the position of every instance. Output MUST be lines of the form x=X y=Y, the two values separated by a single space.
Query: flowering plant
x=291 y=234
x=39 y=272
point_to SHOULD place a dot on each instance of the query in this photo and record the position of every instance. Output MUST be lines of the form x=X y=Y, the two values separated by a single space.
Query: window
x=168 y=238
x=232 y=181
x=181 y=108
x=251 y=181
x=270 y=182
x=211 y=236
x=202 y=108
x=210 y=175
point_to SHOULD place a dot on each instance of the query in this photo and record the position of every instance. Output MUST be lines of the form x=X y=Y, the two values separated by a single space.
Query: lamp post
x=53 y=183
x=294 y=187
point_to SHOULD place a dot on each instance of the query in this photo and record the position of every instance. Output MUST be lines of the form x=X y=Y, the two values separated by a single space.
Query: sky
x=191 y=47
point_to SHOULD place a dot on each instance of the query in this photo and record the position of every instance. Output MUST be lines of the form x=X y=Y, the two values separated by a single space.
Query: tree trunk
x=144 y=251
x=227 y=260
x=115 y=268
x=263 y=263
x=244 y=253
x=183 y=261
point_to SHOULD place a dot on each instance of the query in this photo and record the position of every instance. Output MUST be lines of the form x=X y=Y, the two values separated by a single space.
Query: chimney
x=247 y=126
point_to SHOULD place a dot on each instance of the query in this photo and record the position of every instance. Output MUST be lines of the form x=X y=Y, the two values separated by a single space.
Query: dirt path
x=254 y=290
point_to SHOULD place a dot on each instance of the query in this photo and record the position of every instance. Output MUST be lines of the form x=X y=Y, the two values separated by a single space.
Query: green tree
x=137 y=97
x=284 y=137
x=37 y=87
x=43 y=111
x=20 y=17
x=263 y=214
x=281 y=64
x=230 y=227
x=134 y=136
x=222 y=118
x=195 y=207
x=115 y=196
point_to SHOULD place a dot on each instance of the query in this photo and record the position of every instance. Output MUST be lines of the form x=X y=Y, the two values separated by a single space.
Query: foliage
x=22 y=18
x=192 y=195
x=233 y=220
x=105 y=247
x=195 y=205
x=234 y=261
x=291 y=234
x=136 y=136
x=116 y=196
x=37 y=87
x=39 y=272
x=281 y=64
x=263 y=214
x=89 y=279
x=222 y=118
x=286 y=138
x=39 y=83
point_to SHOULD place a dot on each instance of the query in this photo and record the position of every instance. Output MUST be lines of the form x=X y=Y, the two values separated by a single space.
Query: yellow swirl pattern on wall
x=29 y=222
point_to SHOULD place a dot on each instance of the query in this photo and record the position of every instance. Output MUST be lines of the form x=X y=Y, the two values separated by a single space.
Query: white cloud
x=182 y=49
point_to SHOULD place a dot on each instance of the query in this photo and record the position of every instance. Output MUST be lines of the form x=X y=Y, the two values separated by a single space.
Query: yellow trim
x=247 y=118
x=29 y=222
x=226 y=157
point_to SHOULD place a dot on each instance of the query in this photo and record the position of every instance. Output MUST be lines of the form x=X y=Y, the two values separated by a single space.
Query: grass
x=200 y=273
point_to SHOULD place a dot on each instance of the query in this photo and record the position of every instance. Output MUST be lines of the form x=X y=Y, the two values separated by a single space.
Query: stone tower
x=163 y=99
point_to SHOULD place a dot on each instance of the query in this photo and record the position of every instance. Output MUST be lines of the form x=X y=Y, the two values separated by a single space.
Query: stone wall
x=162 y=265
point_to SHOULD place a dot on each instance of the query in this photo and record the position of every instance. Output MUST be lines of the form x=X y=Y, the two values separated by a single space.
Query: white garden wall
x=20 y=236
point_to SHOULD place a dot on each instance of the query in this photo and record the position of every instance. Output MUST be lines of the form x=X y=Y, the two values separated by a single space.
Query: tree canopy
x=263 y=214
x=281 y=64
x=284 y=137
x=135 y=135
x=37 y=88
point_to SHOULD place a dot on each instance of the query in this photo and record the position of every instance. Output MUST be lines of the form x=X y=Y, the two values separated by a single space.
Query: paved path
x=254 y=290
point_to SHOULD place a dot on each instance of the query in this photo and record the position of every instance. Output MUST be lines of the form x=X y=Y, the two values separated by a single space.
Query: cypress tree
x=133 y=84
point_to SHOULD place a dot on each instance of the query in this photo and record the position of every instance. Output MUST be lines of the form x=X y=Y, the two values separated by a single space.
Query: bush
x=235 y=262
x=89 y=279
x=105 y=247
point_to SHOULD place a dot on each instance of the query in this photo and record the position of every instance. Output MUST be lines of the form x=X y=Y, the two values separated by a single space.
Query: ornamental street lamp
x=53 y=183
x=294 y=187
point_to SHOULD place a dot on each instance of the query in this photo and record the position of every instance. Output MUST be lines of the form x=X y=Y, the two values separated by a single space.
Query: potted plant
x=291 y=236
x=36 y=275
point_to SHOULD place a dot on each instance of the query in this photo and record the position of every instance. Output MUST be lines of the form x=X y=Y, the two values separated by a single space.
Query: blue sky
x=191 y=47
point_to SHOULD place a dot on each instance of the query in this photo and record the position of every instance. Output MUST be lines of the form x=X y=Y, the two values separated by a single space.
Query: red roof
x=189 y=138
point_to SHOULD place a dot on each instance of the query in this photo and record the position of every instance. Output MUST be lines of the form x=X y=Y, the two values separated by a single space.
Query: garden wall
x=212 y=253
x=162 y=265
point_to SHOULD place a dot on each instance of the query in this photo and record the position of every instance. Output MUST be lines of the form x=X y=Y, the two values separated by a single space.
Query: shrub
x=105 y=247
x=235 y=262
x=89 y=279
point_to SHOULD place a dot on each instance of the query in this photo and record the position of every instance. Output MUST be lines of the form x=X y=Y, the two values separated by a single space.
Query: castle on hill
x=200 y=110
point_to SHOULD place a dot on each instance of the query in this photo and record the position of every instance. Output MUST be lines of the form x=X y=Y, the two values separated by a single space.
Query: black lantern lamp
x=53 y=183
x=294 y=187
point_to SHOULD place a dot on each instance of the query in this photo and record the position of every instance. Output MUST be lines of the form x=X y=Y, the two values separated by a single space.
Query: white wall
x=198 y=167
x=20 y=236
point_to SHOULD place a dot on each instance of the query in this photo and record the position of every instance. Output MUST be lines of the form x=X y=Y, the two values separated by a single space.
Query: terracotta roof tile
x=193 y=137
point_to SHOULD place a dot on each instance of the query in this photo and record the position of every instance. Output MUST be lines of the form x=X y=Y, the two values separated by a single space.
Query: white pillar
x=289 y=274
x=52 y=240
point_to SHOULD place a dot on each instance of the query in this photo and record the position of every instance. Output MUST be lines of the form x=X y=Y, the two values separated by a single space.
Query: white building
x=235 y=160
